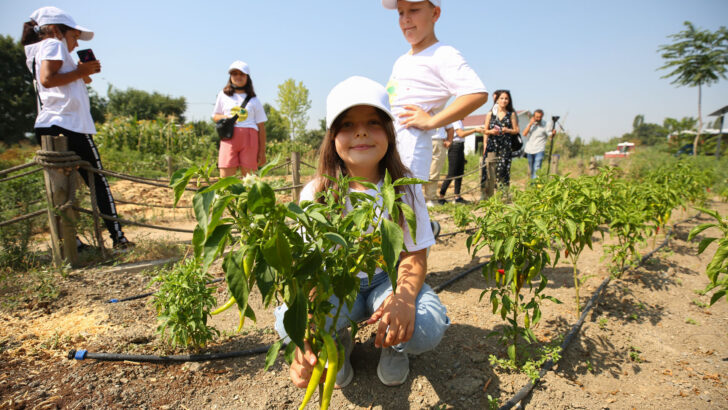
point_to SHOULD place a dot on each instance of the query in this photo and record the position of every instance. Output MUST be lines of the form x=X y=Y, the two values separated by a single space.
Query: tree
x=645 y=133
x=275 y=127
x=314 y=138
x=293 y=103
x=17 y=96
x=98 y=105
x=696 y=58
x=143 y=105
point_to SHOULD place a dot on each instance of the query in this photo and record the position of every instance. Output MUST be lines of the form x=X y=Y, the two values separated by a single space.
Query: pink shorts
x=239 y=151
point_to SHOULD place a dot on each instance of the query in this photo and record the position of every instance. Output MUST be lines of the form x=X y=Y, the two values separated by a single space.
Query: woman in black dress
x=500 y=124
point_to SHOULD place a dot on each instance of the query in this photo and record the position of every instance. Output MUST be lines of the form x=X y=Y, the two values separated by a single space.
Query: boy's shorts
x=239 y=151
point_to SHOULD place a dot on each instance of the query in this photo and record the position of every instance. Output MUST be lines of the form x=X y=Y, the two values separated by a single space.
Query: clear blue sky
x=593 y=63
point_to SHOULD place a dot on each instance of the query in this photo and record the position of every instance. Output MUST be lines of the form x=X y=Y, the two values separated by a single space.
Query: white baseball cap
x=356 y=91
x=241 y=66
x=392 y=4
x=54 y=15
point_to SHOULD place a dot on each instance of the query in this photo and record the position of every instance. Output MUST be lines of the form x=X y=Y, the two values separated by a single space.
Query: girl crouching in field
x=360 y=142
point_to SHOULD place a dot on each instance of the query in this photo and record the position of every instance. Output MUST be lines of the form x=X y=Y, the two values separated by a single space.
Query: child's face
x=71 y=38
x=362 y=140
x=417 y=20
x=238 y=78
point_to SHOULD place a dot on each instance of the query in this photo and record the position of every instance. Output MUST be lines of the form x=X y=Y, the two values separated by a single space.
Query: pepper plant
x=517 y=238
x=301 y=255
x=717 y=269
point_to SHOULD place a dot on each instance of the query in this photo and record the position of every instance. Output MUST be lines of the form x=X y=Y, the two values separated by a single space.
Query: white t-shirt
x=441 y=133
x=537 y=136
x=457 y=125
x=424 y=235
x=427 y=79
x=229 y=105
x=66 y=106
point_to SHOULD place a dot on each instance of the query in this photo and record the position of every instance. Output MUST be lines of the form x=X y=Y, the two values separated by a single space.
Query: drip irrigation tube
x=181 y=358
x=526 y=390
x=145 y=295
x=440 y=287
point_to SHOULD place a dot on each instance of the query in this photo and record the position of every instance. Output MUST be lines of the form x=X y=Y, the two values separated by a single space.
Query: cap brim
x=86 y=34
x=389 y=4
x=343 y=110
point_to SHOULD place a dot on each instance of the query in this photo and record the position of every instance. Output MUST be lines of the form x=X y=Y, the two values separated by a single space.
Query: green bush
x=183 y=304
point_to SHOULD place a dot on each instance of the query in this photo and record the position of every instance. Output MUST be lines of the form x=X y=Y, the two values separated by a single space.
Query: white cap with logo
x=355 y=91
x=241 y=66
x=392 y=4
x=53 y=15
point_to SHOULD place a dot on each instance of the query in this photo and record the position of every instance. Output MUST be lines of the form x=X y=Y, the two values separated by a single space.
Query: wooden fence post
x=59 y=188
x=296 y=172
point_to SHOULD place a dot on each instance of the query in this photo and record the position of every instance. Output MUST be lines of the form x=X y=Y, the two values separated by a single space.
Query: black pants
x=455 y=167
x=83 y=145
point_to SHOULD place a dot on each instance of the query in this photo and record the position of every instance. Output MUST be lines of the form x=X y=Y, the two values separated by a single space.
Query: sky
x=593 y=63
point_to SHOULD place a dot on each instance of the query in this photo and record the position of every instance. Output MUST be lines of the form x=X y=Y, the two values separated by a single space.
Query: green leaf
x=294 y=320
x=201 y=205
x=270 y=165
x=337 y=239
x=392 y=243
x=272 y=354
x=698 y=229
x=512 y=352
x=235 y=277
x=388 y=197
x=571 y=226
x=277 y=253
x=411 y=219
x=408 y=181
x=290 y=352
x=179 y=182
x=261 y=198
x=716 y=296
x=704 y=244
x=215 y=244
x=198 y=241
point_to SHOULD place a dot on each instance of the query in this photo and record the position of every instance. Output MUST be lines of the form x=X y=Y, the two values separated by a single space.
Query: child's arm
x=398 y=310
x=460 y=108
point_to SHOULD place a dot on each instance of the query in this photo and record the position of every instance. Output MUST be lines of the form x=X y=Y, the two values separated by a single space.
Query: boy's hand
x=415 y=117
x=302 y=366
x=398 y=313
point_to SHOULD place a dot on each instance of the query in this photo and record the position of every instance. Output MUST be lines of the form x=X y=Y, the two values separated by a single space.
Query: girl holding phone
x=63 y=104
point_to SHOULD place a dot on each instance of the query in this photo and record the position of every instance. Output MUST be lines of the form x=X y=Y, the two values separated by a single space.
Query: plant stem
x=576 y=287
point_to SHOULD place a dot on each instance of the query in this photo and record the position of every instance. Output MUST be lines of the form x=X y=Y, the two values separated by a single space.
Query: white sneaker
x=346 y=374
x=393 y=367
x=430 y=204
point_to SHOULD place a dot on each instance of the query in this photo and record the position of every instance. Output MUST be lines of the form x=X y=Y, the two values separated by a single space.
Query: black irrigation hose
x=526 y=390
x=145 y=295
x=181 y=358
x=440 y=287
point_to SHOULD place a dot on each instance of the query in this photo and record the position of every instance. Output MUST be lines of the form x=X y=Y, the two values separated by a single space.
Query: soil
x=649 y=343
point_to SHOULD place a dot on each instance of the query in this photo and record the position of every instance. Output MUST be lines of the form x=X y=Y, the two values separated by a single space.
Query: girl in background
x=64 y=107
x=361 y=141
x=245 y=151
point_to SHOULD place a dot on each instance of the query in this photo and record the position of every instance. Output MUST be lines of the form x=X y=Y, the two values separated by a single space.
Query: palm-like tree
x=696 y=58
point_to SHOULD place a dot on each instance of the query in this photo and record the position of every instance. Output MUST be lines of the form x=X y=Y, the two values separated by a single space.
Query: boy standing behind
x=422 y=82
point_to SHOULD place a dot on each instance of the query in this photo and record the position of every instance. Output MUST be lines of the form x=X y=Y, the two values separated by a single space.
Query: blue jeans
x=534 y=162
x=431 y=319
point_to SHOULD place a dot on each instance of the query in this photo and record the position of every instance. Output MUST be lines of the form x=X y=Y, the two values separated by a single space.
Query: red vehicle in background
x=624 y=149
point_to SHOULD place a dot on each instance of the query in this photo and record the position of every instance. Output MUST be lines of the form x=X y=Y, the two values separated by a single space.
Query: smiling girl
x=360 y=142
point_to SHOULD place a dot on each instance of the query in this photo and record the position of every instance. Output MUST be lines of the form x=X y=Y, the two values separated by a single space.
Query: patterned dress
x=501 y=145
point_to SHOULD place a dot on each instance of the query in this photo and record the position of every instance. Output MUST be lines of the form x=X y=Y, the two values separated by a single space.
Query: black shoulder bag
x=225 y=126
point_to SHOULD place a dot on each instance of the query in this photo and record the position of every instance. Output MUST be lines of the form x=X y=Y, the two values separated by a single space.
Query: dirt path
x=647 y=345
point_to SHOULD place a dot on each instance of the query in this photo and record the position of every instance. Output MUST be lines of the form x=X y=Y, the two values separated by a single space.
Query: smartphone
x=86 y=55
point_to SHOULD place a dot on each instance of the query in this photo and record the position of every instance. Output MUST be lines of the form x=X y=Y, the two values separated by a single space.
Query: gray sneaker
x=393 y=367
x=346 y=374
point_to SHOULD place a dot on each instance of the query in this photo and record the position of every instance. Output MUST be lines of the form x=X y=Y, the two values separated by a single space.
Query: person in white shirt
x=245 y=151
x=456 y=162
x=538 y=133
x=423 y=80
x=63 y=104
